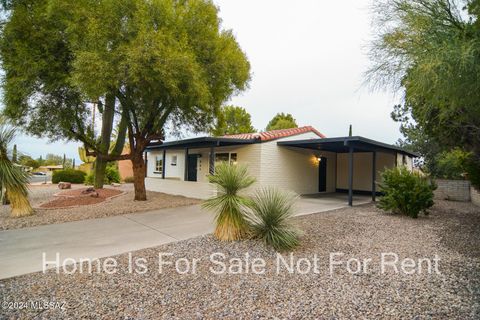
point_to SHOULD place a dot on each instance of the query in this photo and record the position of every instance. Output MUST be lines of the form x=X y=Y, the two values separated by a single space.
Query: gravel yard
x=452 y=232
x=116 y=206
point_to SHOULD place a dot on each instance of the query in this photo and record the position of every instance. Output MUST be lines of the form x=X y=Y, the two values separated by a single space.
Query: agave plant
x=229 y=204
x=13 y=180
x=270 y=219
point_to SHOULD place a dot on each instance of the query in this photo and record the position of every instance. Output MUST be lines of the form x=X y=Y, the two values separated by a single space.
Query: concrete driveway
x=21 y=251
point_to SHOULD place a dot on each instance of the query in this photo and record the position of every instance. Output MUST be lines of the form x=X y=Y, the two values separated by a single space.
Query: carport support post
x=163 y=163
x=185 y=178
x=374 y=174
x=211 y=161
x=350 y=176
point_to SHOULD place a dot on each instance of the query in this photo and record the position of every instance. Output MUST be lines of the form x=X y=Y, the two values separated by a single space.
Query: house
x=301 y=159
x=51 y=168
x=125 y=167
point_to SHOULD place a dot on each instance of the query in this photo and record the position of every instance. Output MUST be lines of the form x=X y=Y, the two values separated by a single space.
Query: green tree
x=53 y=159
x=165 y=61
x=281 y=121
x=28 y=161
x=39 y=93
x=430 y=50
x=146 y=63
x=452 y=164
x=233 y=120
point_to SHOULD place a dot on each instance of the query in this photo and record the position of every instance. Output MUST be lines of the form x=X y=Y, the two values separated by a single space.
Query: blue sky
x=308 y=59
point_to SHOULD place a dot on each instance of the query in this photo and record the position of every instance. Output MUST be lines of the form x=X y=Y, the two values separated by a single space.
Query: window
x=233 y=158
x=159 y=164
x=174 y=160
x=221 y=157
x=226 y=157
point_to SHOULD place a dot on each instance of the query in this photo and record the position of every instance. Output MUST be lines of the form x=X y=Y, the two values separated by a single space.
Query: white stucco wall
x=175 y=172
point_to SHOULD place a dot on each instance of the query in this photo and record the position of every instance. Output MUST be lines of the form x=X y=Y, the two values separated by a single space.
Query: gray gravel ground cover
x=452 y=231
x=116 y=206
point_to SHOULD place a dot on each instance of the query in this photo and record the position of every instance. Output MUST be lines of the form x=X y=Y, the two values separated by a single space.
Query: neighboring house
x=302 y=160
x=125 y=167
x=50 y=169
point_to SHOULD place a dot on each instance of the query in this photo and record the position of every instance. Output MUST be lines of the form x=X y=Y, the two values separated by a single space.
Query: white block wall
x=456 y=190
x=475 y=196
x=294 y=169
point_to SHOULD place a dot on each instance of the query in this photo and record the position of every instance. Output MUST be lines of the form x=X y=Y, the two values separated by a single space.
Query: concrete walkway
x=21 y=251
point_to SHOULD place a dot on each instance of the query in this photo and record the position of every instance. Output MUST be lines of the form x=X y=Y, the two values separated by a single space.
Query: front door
x=192 y=167
x=322 y=175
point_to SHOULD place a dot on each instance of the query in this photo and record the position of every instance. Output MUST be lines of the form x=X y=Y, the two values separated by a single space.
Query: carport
x=351 y=146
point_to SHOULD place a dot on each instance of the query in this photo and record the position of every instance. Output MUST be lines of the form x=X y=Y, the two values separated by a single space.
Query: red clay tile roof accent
x=275 y=134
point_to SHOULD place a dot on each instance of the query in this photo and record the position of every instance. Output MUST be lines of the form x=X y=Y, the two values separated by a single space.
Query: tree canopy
x=151 y=65
x=430 y=51
x=281 y=121
x=233 y=120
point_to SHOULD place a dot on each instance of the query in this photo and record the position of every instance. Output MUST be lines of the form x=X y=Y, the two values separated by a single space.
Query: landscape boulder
x=88 y=190
x=64 y=185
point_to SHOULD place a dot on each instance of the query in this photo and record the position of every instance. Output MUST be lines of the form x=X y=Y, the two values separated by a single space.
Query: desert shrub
x=472 y=167
x=451 y=164
x=68 y=175
x=128 y=180
x=13 y=180
x=405 y=192
x=112 y=174
x=228 y=204
x=270 y=220
x=89 y=179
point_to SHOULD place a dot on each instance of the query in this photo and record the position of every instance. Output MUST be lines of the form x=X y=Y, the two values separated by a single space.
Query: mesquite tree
x=39 y=94
x=430 y=51
x=165 y=61
x=147 y=64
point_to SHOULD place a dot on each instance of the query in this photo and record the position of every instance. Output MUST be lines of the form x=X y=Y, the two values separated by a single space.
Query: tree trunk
x=108 y=114
x=99 y=173
x=139 y=168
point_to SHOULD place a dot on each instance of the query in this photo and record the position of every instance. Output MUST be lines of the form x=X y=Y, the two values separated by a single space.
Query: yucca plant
x=13 y=180
x=270 y=219
x=229 y=205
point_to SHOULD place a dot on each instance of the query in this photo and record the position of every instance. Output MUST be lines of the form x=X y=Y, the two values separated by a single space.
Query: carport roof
x=342 y=145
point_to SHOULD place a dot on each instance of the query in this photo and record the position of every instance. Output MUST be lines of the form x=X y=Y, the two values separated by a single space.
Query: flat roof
x=202 y=142
x=342 y=145
x=338 y=144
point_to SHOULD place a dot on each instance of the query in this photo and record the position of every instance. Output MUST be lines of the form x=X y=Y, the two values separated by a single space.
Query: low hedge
x=68 y=175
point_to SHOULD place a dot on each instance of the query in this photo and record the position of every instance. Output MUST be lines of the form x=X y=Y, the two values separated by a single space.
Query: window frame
x=157 y=166
x=229 y=160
